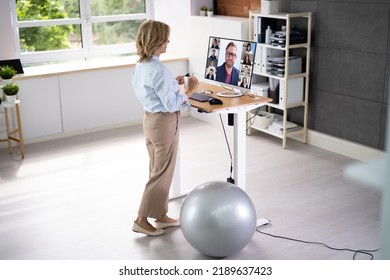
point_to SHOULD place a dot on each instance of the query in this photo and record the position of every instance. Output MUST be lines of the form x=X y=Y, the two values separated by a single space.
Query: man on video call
x=227 y=73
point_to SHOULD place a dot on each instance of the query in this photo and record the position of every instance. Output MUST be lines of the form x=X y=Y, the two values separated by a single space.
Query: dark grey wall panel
x=353 y=26
x=388 y=35
x=346 y=117
x=350 y=73
x=350 y=68
x=303 y=6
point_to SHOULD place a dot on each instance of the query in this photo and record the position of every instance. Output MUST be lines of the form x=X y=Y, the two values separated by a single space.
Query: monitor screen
x=230 y=62
x=14 y=63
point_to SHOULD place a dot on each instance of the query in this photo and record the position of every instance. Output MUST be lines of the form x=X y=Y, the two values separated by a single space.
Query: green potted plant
x=7 y=73
x=203 y=10
x=210 y=12
x=10 y=90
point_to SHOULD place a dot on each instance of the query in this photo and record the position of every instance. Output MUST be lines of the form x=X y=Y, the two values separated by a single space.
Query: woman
x=215 y=44
x=248 y=48
x=162 y=100
x=244 y=82
x=247 y=59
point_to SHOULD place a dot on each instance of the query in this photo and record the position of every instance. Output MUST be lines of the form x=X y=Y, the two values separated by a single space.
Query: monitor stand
x=232 y=92
x=236 y=90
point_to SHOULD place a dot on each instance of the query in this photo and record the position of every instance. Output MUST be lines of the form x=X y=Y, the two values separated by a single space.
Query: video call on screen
x=240 y=52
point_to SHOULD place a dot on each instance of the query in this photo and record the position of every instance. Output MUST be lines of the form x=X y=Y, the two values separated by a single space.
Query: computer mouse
x=215 y=101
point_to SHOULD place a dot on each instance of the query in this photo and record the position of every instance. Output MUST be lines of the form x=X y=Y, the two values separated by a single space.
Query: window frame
x=86 y=20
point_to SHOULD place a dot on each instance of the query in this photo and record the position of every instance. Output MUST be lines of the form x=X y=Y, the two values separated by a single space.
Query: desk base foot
x=262 y=222
x=230 y=180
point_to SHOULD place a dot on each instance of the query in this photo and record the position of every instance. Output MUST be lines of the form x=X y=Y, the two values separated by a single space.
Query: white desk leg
x=240 y=149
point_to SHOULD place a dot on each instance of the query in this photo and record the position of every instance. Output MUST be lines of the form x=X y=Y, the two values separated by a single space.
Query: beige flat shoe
x=137 y=228
x=161 y=225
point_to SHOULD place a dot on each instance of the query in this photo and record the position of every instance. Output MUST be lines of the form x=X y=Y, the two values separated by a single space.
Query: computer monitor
x=224 y=54
x=14 y=63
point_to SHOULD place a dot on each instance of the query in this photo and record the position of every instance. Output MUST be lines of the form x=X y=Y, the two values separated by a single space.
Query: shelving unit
x=293 y=80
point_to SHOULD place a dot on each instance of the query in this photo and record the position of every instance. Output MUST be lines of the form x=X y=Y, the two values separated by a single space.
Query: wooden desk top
x=228 y=102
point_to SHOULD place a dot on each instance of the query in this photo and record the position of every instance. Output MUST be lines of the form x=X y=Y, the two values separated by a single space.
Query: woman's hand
x=180 y=80
x=192 y=85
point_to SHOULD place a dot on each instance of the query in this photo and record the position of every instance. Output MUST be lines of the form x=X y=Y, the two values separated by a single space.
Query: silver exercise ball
x=218 y=219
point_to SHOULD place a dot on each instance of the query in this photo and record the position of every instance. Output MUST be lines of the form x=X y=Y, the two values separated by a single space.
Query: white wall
x=7 y=45
x=175 y=13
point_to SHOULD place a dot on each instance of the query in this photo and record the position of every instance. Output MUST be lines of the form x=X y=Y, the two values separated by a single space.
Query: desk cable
x=230 y=179
x=251 y=120
x=356 y=252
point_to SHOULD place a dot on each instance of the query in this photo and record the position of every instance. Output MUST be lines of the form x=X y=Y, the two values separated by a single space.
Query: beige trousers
x=161 y=132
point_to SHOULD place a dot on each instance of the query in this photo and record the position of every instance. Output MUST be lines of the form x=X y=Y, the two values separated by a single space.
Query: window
x=52 y=30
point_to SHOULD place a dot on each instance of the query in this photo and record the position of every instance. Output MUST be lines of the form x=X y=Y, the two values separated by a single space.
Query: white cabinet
x=284 y=64
x=40 y=107
x=97 y=98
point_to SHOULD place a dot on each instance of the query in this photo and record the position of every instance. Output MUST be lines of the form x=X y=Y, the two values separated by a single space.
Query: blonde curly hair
x=151 y=35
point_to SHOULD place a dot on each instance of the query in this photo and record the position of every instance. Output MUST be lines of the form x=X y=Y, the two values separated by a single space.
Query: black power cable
x=251 y=120
x=230 y=179
x=356 y=252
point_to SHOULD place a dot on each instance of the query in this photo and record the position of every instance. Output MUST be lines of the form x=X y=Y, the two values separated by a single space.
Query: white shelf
x=291 y=46
x=276 y=134
x=288 y=106
x=257 y=126
x=292 y=93
x=284 y=15
x=292 y=76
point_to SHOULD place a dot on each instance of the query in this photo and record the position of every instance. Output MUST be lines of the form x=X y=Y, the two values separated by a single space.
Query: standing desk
x=239 y=106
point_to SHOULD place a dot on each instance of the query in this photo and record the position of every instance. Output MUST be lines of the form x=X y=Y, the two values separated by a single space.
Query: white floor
x=75 y=198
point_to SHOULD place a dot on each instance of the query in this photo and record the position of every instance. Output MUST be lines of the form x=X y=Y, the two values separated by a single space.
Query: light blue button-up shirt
x=156 y=88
